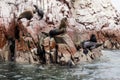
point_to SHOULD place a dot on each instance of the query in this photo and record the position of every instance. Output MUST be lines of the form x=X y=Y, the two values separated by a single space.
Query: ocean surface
x=105 y=68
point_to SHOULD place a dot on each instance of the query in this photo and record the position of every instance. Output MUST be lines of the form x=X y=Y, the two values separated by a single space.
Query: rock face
x=85 y=17
x=98 y=17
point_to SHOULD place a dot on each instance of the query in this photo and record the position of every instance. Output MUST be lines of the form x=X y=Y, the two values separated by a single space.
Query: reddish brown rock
x=69 y=43
x=4 y=53
x=2 y=37
x=84 y=19
x=46 y=44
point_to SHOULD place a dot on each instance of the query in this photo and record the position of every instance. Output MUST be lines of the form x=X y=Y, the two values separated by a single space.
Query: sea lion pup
x=60 y=30
x=39 y=11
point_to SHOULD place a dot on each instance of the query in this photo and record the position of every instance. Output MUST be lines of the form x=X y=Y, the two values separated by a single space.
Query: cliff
x=85 y=17
x=98 y=17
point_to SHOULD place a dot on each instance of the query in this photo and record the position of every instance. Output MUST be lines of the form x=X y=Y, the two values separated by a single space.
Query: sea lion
x=28 y=14
x=39 y=11
x=60 y=30
x=90 y=44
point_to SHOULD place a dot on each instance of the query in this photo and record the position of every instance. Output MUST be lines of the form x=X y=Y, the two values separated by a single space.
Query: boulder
x=5 y=53
x=107 y=44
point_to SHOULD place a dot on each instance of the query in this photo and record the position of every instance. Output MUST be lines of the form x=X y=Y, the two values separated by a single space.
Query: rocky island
x=57 y=31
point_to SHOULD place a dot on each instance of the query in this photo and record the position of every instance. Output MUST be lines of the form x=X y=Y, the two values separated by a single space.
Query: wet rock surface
x=84 y=18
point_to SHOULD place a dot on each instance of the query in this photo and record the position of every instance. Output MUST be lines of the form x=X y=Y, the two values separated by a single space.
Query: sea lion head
x=63 y=23
x=39 y=11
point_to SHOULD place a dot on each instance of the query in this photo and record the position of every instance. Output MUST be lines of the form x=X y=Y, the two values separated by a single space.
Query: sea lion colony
x=41 y=51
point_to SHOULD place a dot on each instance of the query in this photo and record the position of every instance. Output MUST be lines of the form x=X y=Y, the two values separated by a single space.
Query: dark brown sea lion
x=60 y=30
x=90 y=44
x=28 y=14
